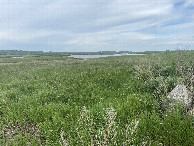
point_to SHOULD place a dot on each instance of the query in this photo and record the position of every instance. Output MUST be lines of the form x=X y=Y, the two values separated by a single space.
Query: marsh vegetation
x=55 y=100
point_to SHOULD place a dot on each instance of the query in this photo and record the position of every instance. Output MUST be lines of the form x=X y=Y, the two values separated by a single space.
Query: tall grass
x=106 y=101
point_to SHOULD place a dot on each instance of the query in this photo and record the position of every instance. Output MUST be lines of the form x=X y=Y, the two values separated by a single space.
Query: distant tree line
x=10 y=53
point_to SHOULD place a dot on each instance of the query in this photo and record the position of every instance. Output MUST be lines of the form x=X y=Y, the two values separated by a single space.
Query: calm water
x=98 y=56
x=18 y=57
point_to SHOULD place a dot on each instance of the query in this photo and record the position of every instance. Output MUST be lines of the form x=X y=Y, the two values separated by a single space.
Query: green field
x=53 y=100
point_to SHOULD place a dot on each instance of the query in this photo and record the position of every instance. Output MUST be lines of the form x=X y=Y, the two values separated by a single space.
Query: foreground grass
x=106 y=101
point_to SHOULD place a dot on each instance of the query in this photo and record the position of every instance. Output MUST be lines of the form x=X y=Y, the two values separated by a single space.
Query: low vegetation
x=54 y=100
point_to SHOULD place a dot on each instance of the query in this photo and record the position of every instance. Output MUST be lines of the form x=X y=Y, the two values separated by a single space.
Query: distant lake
x=99 y=56
x=18 y=57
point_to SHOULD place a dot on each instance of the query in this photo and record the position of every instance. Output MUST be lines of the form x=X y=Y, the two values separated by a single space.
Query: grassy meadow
x=53 y=100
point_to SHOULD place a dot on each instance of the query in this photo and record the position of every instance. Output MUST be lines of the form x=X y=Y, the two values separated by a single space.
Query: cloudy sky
x=94 y=25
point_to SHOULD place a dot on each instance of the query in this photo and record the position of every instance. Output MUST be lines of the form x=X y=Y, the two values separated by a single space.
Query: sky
x=96 y=25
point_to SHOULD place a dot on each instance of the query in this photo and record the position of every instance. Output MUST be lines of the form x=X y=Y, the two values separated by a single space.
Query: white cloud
x=189 y=3
x=95 y=23
x=22 y=36
x=108 y=38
